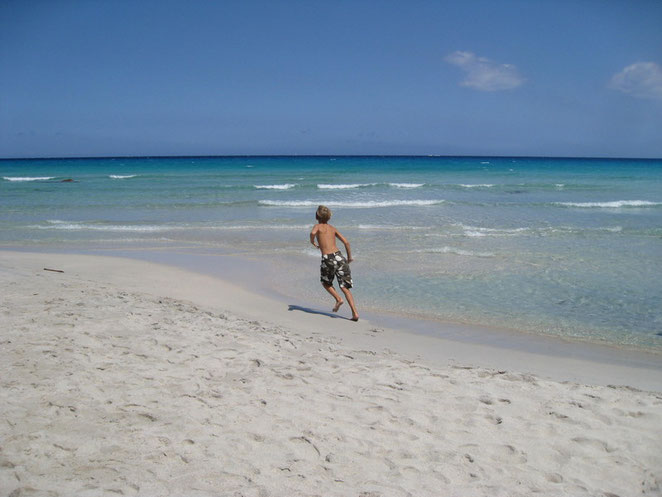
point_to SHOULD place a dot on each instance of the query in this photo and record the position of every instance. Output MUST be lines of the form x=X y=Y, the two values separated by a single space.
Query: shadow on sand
x=292 y=307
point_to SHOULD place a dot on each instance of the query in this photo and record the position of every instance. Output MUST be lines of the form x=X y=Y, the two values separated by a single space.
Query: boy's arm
x=313 y=234
x=345 y=242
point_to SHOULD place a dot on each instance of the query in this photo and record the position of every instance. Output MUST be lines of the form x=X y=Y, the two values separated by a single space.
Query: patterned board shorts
x=335 y=265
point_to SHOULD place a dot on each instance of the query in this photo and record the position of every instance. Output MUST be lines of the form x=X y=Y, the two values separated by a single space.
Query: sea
x=569 y=248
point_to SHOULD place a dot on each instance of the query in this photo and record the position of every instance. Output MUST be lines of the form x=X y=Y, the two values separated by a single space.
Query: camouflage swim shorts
x=335 y=265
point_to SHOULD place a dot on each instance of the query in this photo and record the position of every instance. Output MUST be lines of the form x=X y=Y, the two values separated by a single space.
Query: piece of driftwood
x=54 y=270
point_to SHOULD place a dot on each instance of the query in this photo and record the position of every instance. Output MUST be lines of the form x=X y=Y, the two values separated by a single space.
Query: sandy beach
x=121 y=377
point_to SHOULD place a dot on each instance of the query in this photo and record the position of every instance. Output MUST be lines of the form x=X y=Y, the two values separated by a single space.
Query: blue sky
x=533 y=77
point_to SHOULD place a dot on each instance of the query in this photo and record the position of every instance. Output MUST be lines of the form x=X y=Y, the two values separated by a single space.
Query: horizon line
x=230 y=156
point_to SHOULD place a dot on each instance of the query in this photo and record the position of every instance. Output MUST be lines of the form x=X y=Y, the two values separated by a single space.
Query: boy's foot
x=337 y=306
x=355 y=318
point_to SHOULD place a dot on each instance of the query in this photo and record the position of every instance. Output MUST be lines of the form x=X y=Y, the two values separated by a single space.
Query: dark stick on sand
x=54 y=270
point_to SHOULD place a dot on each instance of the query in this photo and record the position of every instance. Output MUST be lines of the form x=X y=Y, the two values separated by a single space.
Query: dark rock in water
x=68 y=180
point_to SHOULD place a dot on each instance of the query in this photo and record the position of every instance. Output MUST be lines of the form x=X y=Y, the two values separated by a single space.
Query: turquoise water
x=568 y=247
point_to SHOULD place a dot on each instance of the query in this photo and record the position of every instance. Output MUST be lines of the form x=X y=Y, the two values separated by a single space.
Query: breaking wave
x=611 y=205
x=344 y=187
x=357 y=205
x=285 y=186
x=455 y=251
x=28 y=178
x=406 y=185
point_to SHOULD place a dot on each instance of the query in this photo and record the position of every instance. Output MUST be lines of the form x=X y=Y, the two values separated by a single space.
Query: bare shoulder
x=332 y=231
x=315 y=228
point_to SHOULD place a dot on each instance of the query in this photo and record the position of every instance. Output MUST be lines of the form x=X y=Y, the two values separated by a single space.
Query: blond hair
x=323 y=214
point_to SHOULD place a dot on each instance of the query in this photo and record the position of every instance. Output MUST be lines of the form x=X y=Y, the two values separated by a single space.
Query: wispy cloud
x=484 y=74
x=641 y=79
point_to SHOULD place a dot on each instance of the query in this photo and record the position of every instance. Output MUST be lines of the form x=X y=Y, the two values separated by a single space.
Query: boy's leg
x=350 y=299
x=334 y=294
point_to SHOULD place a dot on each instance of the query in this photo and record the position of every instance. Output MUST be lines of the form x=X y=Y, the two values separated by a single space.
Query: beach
x=125 y=377
x=179 y=186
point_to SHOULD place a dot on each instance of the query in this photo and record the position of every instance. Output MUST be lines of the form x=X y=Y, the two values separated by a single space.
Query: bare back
x=326 y=238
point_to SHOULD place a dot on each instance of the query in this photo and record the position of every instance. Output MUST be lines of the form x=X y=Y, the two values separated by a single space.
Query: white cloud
x=484 y=74
x=641 y=79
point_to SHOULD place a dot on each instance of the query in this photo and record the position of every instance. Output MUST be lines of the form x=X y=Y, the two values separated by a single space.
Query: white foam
x=406 y=185
x=455 y=251
x=477 y=231
x=81 y=226
x=575 y=230
x=376 y=227
x=389 y=227
x=27 y=178
x=484 y=185
x=311 y=252
x=120 y=176
x=344 y=187
x=359 y=205
x=131 y=240
x=611 y=205
x=249 y=227
x=486 y=162
x=285 y=186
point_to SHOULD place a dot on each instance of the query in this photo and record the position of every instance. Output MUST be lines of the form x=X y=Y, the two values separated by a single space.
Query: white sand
x=120 y=377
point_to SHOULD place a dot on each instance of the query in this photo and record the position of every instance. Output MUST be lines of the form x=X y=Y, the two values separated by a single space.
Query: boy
x=333 y=262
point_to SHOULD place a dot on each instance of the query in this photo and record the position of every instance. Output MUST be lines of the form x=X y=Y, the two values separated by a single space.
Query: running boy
x=333 y=262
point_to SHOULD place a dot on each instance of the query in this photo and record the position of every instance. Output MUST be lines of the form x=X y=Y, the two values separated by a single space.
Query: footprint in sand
x=593 y=443
x=554 y=478
x=497 y=420
x=507 y=451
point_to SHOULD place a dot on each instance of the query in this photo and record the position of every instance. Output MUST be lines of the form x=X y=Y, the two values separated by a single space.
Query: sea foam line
x=249 y=227
x=27 y=178
x=120 y=176
x=390 y=227
x=454 y=251
x=350 y=186
x=344 y=187
x=359 y=205
x=406 y=185
x=611 y=205
x=477 y=231
x=80 y=226
x=285 y=186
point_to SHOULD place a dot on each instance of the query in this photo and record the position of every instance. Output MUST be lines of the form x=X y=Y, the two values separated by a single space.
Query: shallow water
x=567 y=247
